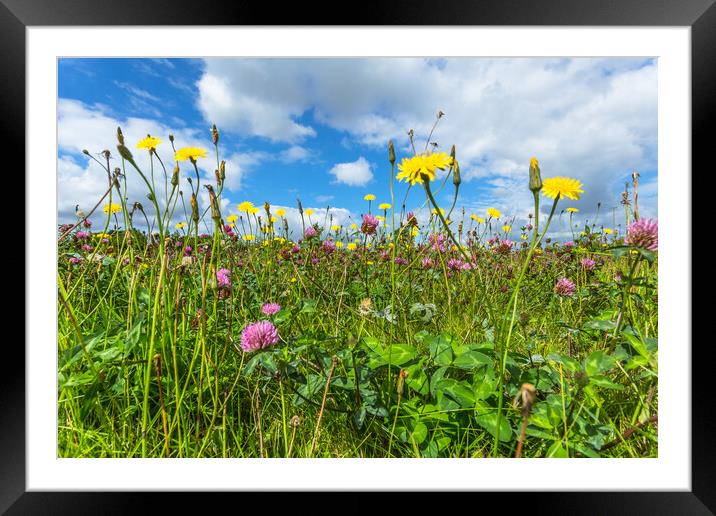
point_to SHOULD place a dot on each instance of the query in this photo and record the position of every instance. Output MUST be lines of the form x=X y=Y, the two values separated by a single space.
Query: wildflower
x=564 y=287
x=249 y=238
x=370 y=223
x=587 y=263
x=369 y=197
x=280 y=212
x=354 y=226
x=384 y=206
x=246 y=206
x=310 y=232
x=232 y=218
x=180 y=225
x=506 y=228
x=309 y=212
x=608 y=231
x=270 y=308
x=505 y=246
x=435 y=212
x=254 y=210
x=365 y=307
x=535 y=177
x=87 y=223
x=87 y=248
x=223 y=279
x=437 y=241
x=74 y=260
x=335 y=228
x=423 y=166
x=258 y=335
x=562 y=187
x=643 y=233
x=572 y=210
x=351 y=246
x=529 y=227
x=339 y=244
x=189 y=153
x=149 y=143
x=328 y=246
x=569 y=245
x=81 y=235
x=400 y=261
x=492 y=212
x=427 y=263
x=112 y=208
x=454 y=264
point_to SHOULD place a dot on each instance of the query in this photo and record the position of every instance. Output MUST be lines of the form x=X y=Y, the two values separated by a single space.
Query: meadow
x=393 y=336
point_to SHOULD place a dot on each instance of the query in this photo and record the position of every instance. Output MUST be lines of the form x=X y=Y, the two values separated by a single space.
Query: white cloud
x=295 y=153
x=594 y=119
x=356 y=173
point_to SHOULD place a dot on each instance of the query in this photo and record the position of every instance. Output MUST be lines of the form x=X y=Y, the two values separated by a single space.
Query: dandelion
x=643 y=233
x=281 y=212
x=232 y=218
x=562 y=187
x=564 y=287
x=246 y=206
x=189 y=153
x=493 y=213
x=149 y=143
x=258 y=335
x=309 y=212
x=112 y=208
x=608 y=231
x=351 y=246
x=384 y=206
x=180 y=225
x=506 y=228
x=572 y=210
x=423 y=166
x=335 y=228
x=354 y=226
x=369 y=197
x=249 y=238
x=270 y=308
x=339 y=244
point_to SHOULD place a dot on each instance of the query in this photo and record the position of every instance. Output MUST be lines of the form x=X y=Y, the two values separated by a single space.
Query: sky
x=318 y=129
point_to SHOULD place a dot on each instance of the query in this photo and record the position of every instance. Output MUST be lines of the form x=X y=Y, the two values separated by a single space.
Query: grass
x=433 y=339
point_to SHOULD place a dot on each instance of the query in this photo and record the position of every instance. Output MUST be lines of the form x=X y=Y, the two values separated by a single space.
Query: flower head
x=189 y=153
x=258 y=335
x=572 y=210
x=423 y=166
x=246 y=206
x=280 y=212
x=370 y=223
x=492 y=212
x=587 y=263
x=643 y=233
x=112 y=208
x=308 y=211
x=384 y=206
x=180 y=225
x=270 y=308
x=369 y=197
x=564 y=287
x=310 y=232
x=562 y=186
x=223 y=279
x=149 y=143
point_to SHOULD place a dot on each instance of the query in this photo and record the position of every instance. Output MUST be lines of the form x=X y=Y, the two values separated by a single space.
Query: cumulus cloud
x=594 y=119
x=356 y=173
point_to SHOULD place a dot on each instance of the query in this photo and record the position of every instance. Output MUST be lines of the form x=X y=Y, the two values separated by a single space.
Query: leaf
x=441 y=349
x=461 y=392
x=604 y=382
x=435 y=380
x=568 y=362
x=557 y=451
x=600 y=324
x=417 y=380
x=471 y=360
x=636 y=343
x=598 y=362
x=307 y=306
x=488 y=421
x=395 y=355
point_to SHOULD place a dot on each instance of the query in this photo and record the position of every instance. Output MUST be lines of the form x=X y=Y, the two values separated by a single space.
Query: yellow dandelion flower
x=232 y=218
x=415 y=169
x=149 y=143
x=280 y=212
x=473 y=216
x=439 y=160
x=562 y=186
x=273 y=219
x=334 y=227
x=523 y=237
x=293 y=279
x=384 y=206
x=245 y=206
x=249 y=238
x=339 y=244
x=534 y=163
x=415 y=231
x=506 y=228
x=254 y=210
x=369 y=262
x=101 y=235
x=180 y=225
x=354 y=226
x=369 y=197
x=492 y=212
x=608 y=231
x=189 y=153
x=351 y=247
x=309 y=211
x=112 y=208
x=572 y=210
x=380 y=218
x=480 y=220
x=441 y=211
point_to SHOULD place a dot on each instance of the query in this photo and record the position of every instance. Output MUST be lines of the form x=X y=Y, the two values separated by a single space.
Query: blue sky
x=317 y=129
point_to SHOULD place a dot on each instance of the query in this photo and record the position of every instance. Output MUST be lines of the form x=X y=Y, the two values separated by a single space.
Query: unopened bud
x=456 y=180
x=214 y=134
x=194 y=208
x=222 y=170
x=124 y=152
x=535 y=177
x=171 y=138
x=391 y=152
x=175 y=175
x=300 y=207
x=120 y=136
x=85 y=151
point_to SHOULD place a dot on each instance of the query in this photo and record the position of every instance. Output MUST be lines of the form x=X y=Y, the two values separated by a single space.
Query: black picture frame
x=700 y=15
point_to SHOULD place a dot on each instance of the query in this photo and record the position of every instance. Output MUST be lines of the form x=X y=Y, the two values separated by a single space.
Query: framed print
x=438 y=254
